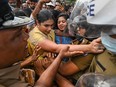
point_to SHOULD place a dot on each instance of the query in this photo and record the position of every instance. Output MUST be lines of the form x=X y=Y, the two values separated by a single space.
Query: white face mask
x=108 y=42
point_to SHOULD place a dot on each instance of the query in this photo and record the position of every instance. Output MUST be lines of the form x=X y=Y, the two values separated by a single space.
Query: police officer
x=104 y=15
x=103 y=65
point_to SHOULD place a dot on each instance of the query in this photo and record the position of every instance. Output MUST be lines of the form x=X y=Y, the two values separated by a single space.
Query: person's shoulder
x=34 y=30
x=35 y=33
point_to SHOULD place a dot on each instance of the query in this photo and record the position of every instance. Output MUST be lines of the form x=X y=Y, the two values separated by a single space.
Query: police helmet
x=7 y=18
x=102 y=12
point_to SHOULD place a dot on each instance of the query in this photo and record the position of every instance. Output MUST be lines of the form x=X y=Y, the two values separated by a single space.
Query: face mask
x=108 y=42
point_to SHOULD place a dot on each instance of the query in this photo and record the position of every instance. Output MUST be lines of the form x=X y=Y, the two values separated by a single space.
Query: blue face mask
x=108 y=42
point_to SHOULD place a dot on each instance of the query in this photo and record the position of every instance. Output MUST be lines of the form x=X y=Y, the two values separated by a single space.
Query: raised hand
x=36 y=53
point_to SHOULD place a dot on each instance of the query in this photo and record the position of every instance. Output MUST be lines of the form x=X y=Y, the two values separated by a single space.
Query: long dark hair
x=65 y=16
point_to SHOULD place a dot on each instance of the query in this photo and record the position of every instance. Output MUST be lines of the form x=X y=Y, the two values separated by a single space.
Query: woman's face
x=62 y=23
x=81 y=31
x=46 y=26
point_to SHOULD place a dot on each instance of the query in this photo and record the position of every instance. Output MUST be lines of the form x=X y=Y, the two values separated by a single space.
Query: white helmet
x=102 y=12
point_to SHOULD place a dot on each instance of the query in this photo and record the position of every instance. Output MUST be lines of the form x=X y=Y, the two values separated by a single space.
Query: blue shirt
x=63 y=39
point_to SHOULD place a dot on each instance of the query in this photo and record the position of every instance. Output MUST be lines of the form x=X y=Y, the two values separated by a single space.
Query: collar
x=38 y=31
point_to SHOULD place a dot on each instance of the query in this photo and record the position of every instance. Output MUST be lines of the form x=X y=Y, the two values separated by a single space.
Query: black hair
x=27 y=11
x=44 y=15
x=66 y=7
x=66 y=16
x=34 y=0
x=83 y=24
x=19 y=12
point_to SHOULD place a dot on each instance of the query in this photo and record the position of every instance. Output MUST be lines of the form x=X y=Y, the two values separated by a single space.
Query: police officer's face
x=81 y=31
x=13 y=44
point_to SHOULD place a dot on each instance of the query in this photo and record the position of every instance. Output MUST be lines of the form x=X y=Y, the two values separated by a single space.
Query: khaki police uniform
x=104 y=63
x=82 y=62
x=9 y=77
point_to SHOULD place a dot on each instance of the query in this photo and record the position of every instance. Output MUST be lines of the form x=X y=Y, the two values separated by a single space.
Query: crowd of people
x=47 y=46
